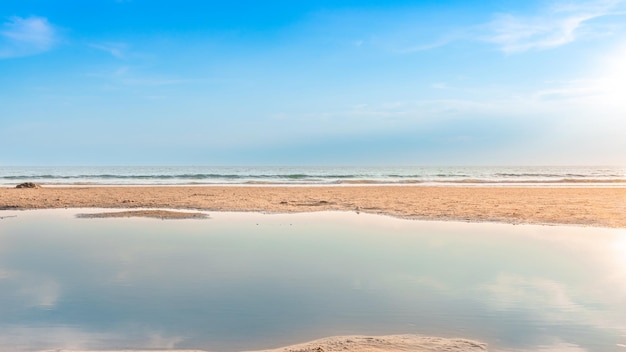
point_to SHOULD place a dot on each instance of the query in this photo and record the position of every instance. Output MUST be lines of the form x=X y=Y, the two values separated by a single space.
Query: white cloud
x=552 y=26
x=117 y=50
x=430 y=46
x=125 y=76
x=558 y=25
x=26 y=36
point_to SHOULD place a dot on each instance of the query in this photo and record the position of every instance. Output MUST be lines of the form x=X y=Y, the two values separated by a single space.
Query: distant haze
x=155 y=82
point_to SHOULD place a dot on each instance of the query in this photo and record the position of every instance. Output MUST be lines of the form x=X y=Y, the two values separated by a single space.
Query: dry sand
x=604 y=207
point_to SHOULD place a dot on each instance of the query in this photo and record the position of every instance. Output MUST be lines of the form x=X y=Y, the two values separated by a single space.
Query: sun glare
x=612 y=82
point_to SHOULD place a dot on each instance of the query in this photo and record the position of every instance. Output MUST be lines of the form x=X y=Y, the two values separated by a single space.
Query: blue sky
x=312 y=82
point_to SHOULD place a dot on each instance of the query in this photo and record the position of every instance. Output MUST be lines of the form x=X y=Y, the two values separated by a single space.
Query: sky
x=393 y=82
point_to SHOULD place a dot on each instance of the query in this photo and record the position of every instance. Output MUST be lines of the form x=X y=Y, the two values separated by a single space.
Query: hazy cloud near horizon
x=291 y=83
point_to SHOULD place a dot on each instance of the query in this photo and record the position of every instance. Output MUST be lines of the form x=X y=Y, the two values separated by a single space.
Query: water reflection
x=251 y=281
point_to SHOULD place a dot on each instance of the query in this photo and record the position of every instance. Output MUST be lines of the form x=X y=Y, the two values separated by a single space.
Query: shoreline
x=363 y=183
x=581 y=206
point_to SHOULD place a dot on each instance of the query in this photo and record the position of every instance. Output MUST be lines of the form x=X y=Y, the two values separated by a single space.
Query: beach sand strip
x=603 y=207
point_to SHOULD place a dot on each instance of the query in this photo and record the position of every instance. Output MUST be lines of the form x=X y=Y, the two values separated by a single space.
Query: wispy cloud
x=117 y=50
x=430 y=46
x=557 y=25
x=26 y=36
x=127 y=76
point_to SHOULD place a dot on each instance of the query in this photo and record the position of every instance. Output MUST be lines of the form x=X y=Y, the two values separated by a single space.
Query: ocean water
x=605 y=176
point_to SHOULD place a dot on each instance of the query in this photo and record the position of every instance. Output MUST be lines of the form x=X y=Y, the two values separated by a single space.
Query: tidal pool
x=242 y=281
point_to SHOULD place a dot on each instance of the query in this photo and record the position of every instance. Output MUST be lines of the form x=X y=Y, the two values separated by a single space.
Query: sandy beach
x=602 y=207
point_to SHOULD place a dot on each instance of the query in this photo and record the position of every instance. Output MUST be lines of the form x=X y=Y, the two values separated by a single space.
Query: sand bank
x=605 y=207
x=391 y=343
x=156 y=214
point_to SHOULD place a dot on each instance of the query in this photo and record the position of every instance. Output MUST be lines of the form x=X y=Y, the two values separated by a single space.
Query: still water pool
x=241 y=281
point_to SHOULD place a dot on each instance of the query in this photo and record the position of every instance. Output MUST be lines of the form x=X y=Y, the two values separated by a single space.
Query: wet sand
x=603 y=207
x=156 y=214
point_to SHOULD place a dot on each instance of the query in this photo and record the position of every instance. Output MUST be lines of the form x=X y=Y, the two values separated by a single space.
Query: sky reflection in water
x=252 y=281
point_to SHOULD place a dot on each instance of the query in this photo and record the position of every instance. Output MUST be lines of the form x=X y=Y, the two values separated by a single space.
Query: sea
x=551 y=176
